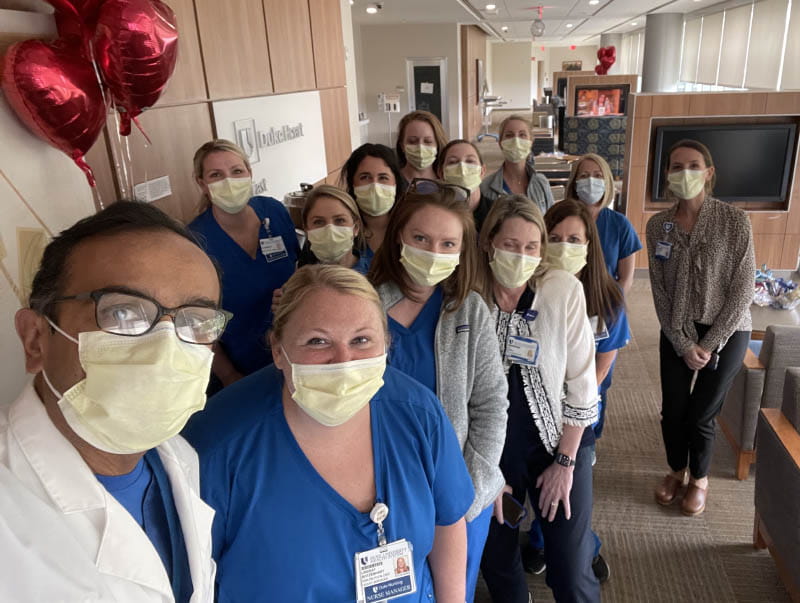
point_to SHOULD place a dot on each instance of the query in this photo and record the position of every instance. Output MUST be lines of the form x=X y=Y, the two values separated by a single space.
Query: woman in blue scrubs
x=592 y=183
x=328 y=467
x=334 y=231
x=372 y=177
x=425 y=273
x=545 y=339
x=252 y=239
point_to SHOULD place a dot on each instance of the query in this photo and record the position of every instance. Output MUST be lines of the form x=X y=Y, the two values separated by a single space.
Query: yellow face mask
x=567 y=256
x=513 y=270
x=375 y=199
x=420 y=156
x=427 y=268
x=687 y=184
x=138 y=391
x=231 y=194
x=516 y=149
x=332 y=393
x=463 y=174
x=330 y=243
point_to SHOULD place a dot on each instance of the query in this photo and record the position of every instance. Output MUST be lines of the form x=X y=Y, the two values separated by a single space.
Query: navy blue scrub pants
x=688 y=418
x=569 y=546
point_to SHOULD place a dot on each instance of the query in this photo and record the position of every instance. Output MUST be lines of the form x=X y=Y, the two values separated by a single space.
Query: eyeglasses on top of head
x=122 y=312
x=426 y=186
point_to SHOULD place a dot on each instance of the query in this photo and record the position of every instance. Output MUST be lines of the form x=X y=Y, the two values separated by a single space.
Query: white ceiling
x=588 y=22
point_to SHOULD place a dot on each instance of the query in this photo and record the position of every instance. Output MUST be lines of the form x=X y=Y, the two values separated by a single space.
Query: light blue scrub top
x=281 y=533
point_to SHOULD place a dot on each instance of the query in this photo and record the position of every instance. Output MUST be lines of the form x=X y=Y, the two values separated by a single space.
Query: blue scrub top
x=364 y=260
x=618 y=336
x=281 y=533
x=146 y=494
x=617 y=238
x=412 y=348
x=248 y=283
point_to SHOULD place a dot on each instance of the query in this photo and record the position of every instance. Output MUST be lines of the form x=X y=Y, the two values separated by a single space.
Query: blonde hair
x=504 y=208
x=608 y=178
x=514 y=117
x=218 y=145
x=328 y=190
x=323 y=276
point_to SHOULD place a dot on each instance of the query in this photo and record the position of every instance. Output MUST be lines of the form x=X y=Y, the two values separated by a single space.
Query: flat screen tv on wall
x=601 y=100
x=753 y=162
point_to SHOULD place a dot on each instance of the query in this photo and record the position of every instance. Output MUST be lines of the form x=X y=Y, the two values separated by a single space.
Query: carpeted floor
x=655 y=553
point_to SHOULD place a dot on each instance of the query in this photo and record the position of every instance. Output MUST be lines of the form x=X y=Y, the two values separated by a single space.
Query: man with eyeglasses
x=98 y=495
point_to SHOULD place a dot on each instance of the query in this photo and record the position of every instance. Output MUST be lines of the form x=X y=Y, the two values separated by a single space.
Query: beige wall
x=383 y=53
x=556 y=55
x=511 y=73
x=473 y=48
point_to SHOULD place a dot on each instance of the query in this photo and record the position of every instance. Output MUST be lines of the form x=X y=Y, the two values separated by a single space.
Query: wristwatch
x=563 y=459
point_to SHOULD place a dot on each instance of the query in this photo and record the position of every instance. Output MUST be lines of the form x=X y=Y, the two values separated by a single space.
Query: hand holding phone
x=513 y=511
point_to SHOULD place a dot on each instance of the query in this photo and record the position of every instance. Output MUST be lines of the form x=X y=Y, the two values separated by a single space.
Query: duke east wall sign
x=282 y=136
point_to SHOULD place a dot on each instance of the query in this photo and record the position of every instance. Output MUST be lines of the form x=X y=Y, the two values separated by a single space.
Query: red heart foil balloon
x=54 y=91
x=136 y=46
x=76 y=20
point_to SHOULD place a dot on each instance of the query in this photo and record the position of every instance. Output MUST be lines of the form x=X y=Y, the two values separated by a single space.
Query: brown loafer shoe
x=694 y=502
x=667 y=490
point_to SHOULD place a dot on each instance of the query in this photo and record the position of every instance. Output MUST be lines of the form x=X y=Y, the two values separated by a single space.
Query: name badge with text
x=273 y=248
x=663 y=250
x=522 y=350
x=385 y=572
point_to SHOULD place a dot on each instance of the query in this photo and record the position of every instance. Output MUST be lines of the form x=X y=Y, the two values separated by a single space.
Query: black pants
x=569 y=545
x=688 y=418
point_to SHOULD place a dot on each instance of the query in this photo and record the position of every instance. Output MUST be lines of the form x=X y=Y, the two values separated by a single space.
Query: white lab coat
x=63 y=537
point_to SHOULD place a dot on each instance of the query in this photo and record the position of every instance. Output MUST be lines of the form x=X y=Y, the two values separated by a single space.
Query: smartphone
x=513 y=511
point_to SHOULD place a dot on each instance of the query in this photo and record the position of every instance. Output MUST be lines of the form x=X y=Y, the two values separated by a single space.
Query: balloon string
x=130 y=163
x=125 y=188
x=25 y=203
x=141 y=129
x=77 y=157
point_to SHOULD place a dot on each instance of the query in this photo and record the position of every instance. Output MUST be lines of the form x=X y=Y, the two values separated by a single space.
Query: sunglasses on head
x=426 y=186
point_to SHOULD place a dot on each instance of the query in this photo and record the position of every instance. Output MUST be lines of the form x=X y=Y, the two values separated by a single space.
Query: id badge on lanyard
x=387 y=571
x=273 y=248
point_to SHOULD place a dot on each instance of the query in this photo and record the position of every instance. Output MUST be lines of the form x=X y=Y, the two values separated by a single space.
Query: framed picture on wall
x=571 y=65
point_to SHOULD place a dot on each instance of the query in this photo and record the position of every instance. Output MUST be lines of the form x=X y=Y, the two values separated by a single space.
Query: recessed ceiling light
x=351 y=2
x=633 y=22
x=569 y=25
x=593 y=2
x=490 y=7
x=372 y=9
x=504 y=28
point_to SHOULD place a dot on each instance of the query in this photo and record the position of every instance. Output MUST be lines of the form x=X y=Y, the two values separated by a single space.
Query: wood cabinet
x=290 y=50
x=188 y=82
x=234 y=44
x=336 y=127
x=327 y=41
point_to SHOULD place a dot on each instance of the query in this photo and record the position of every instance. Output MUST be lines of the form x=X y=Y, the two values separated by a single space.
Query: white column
x=616 y=41
x=662 y=52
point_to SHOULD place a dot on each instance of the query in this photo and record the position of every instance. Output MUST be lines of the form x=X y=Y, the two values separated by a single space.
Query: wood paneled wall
x=776 y=231
x=231 y=49
x=597 y=80
x=473 y=48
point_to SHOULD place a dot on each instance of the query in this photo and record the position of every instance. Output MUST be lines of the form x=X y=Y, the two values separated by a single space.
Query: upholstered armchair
x=759 y=384
x=777 y=491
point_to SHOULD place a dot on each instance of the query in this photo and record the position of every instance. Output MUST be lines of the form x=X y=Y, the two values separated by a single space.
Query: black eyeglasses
x=122 y=312
x=426 y=186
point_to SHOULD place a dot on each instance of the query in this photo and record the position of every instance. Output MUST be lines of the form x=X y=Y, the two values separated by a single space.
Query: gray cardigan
x=538 y=188
x=473 y=389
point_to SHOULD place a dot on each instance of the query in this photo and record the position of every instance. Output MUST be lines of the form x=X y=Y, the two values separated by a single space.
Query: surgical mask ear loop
x=50 y=385
x=57 y=328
